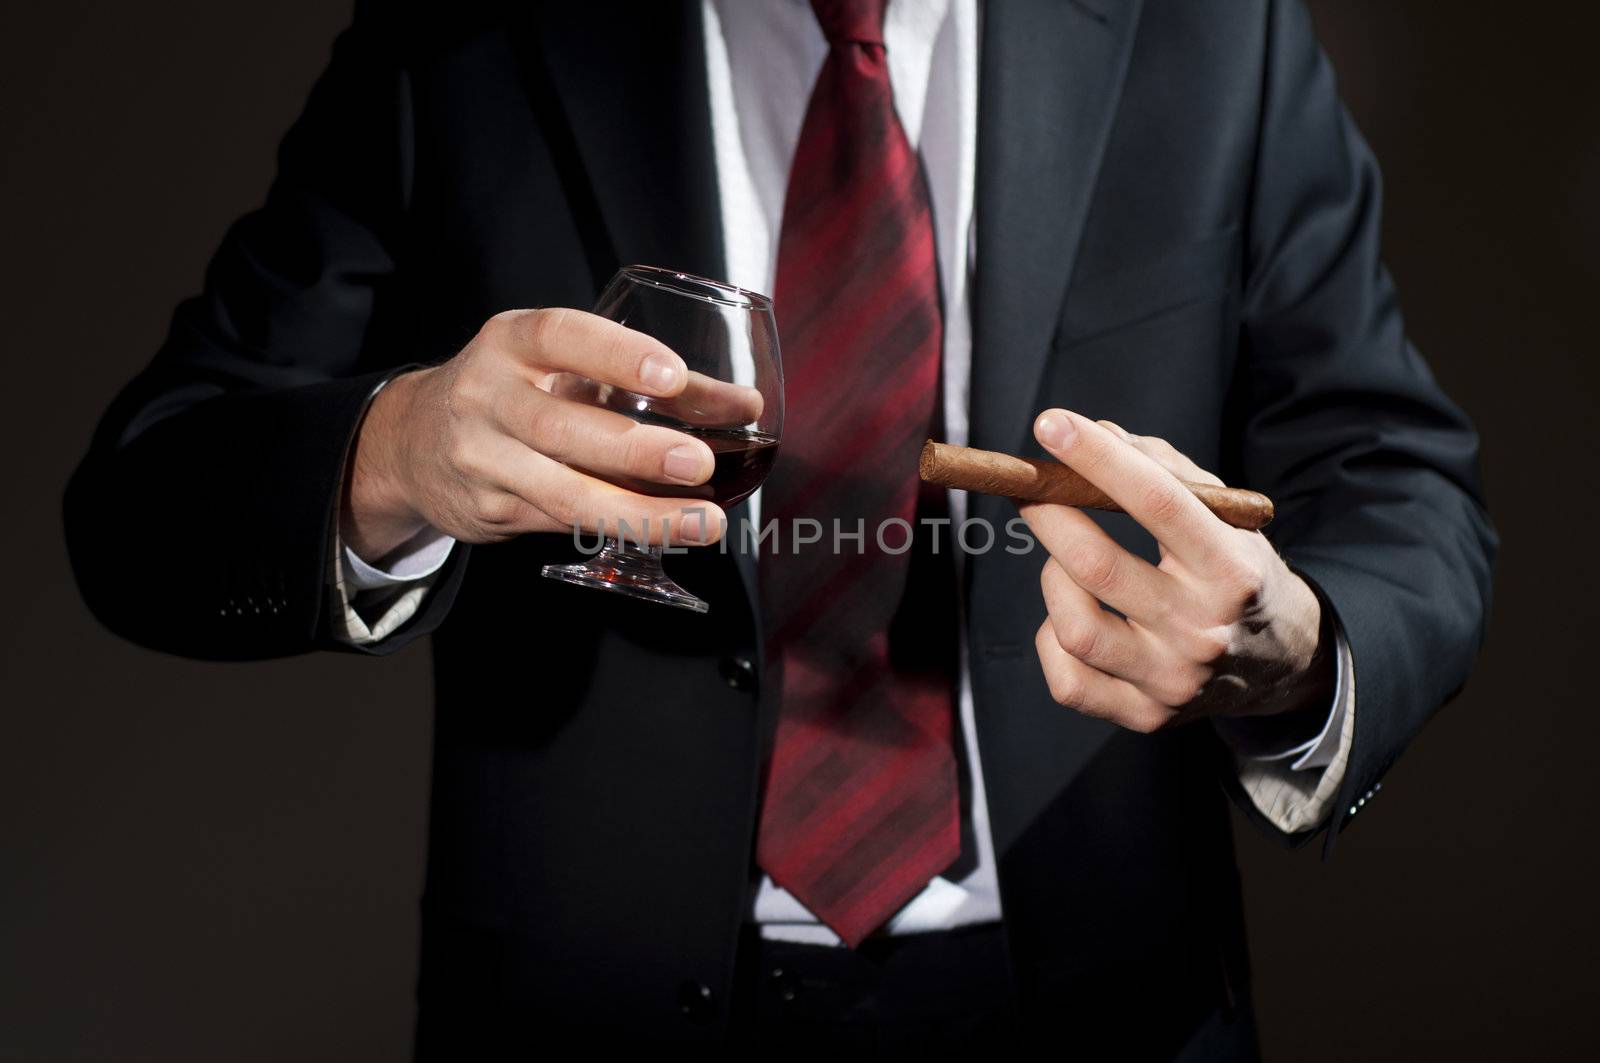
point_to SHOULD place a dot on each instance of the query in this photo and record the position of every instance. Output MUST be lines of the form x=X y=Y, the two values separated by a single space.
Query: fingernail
x=695 y=528
x=684 y=462
x=1055 y=429
x=659 y=372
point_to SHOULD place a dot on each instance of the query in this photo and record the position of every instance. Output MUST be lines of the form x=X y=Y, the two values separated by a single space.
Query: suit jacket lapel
x=1051 y=75
x=631 y=83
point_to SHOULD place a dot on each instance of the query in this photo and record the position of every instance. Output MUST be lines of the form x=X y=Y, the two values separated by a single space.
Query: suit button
x=738 y=671
x=784 y=985
x=696 y=1002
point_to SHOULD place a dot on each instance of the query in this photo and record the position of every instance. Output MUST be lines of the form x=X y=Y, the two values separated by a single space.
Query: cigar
x=1029 y=480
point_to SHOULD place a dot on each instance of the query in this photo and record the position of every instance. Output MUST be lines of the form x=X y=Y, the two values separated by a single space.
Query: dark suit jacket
x=1177 y=229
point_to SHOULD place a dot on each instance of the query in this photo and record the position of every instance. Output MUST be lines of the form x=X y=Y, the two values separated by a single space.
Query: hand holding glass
x=733 y=402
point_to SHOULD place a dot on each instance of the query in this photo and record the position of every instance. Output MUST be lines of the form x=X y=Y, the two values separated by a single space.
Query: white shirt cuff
x=1294 y=786
x=1264 y=739
x=408 y=576
x=416 y=560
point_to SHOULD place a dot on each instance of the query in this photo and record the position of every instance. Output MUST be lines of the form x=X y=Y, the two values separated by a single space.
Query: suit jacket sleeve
x=200 y=522
x=1339 y=419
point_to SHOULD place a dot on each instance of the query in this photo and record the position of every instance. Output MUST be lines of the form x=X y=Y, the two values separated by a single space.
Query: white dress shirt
x=762 y=58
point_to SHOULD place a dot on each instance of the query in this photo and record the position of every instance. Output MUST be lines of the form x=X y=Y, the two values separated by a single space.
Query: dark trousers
x=945 y=990
x=948 y=990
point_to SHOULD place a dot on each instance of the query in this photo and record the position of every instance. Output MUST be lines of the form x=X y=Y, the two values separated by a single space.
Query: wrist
x=376 y=513
x=1310 y=639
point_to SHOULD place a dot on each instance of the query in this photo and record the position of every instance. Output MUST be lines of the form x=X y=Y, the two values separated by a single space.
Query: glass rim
x=696 y=287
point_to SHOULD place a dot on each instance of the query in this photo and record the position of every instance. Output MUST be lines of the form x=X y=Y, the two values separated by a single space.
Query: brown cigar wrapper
x=1029 y=480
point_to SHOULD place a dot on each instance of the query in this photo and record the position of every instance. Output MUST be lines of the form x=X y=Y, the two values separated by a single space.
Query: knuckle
x=1053 y=580
x=1175 y=688
x=1165 y=452
x=627 y=349
x=1095 y=712
x=1098 y=570
x=550 y=430
x=1165 y=612
x=506 y=325
x=643 y=524
x=468 y=462
x=1079 y=636
x=1144 y=723
x=1244 y=583
x=467 y=400
x=1163 y=500
x=1168 y=457
x=1067 y=690
x=1211 y=646
x=1043 y=639
x=460 y=456
x=640 y=455
x=1208 y=649
x=565 y=505
x=461 y=388
x=540 y=330
x=495 y=509
x=498 y=324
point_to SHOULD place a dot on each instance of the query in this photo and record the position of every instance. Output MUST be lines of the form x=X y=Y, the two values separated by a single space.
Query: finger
x=1092 y=692
x=562 y=340
x=1109 y=643
x=704 y=401
x=1170 y=457
x=602 y=442
x=1088 y=632
x=1136 y=482
x=1129 y=584
x=713 y=403
x=568 y=499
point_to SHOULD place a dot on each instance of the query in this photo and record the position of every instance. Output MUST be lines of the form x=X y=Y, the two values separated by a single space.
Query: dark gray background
x=205 y=862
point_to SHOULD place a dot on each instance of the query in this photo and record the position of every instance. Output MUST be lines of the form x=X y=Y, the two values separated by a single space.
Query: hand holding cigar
x=1218 y=625
x=1031 y=480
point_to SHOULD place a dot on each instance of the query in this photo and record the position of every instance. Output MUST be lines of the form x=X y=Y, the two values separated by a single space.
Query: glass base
x=634 y=571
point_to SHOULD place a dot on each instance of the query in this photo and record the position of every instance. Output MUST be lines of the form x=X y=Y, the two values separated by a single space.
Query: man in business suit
x=1144 y=230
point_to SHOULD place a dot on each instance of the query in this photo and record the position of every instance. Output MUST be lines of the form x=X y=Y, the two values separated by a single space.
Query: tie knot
x=851 y=21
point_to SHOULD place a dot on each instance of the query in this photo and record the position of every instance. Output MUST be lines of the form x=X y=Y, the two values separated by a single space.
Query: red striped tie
x=861 y=803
